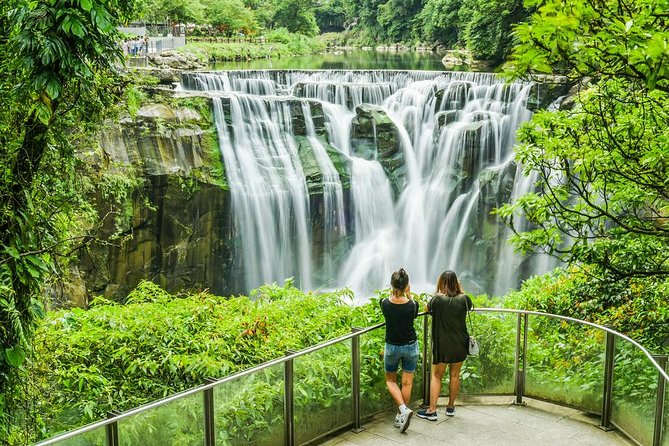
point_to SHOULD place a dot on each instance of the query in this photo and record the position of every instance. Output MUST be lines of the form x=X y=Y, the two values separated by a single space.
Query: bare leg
x=437 y=374
x=454 y=383
x=407 y=385
x=394 y=389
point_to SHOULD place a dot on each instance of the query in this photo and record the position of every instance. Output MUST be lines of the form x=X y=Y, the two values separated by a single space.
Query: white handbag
x=473 y=346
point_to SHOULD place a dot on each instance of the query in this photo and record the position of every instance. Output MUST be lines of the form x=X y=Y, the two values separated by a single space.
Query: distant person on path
x=450 y=340
x=400 y=311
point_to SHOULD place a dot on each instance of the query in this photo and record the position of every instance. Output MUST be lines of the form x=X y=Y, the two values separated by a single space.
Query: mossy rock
x=376 y=137
x=311 y=167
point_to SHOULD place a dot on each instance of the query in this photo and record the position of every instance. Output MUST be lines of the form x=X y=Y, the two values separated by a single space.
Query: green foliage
x=118 y=357
x=331 y=16
x=177 y=11
x=297 y=16
x=487 y=26
x=280 y=44
x=57 y=77
x=230 y=16
x=603 y=40
x=602 y=164
x=634 y=306
x=484 y=27
x=439 y=21
x=396 y=18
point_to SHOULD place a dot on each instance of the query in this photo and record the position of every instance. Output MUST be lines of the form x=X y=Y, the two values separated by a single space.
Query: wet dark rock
x=546 y=91
x=375 y=136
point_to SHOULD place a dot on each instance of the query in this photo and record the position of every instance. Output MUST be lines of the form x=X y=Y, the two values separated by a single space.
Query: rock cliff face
x=172 y=229
x=175 y=228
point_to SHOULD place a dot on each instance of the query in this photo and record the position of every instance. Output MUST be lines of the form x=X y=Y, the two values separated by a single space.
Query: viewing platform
x=487 y=421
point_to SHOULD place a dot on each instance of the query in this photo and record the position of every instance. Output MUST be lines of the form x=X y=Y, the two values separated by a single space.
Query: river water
x=344 y=60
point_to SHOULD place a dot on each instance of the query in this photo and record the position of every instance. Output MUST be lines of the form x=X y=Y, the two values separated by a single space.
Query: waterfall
x=334 y=224
x=409 y=166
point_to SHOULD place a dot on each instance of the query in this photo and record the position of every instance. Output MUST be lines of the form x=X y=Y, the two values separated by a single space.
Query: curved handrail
x=579 y=321
x=292 y=355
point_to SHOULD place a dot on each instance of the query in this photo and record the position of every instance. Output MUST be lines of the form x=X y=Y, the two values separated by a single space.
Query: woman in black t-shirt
x=399 y=311
x=449 y=307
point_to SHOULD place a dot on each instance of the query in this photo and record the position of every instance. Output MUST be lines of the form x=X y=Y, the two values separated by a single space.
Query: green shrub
x=115 y=357
x=636 y=307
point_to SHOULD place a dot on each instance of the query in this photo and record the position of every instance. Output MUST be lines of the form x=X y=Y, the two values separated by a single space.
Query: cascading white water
x=455 y=133
x=334 y=222
x=269 y=193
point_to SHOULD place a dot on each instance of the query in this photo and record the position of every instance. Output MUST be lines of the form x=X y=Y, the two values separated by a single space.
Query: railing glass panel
x=634 y=392
x=374 y=396
x=492 y=371
x=565 y=362
x=174 y=423
x=249 y=409
x=665 y=436
x=322 y=391
x=95 y=437
x=417 y=388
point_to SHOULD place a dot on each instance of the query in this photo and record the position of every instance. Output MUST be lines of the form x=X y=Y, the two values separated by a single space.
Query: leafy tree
x=364 y=14
x=263 y=12
x=603 y=165
x=331 y=16
x=439 y=22
x=230 y=16
x=487 y=32
x=297 y=16
x=396 y=18
x=57 y=74
x=179 y=11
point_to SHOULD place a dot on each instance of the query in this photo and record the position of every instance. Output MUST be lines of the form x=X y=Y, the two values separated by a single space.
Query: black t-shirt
x=399 y=321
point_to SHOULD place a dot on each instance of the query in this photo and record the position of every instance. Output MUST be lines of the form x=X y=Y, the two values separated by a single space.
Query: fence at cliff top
x=227 y=39
x=437 y=146
x=309 y=394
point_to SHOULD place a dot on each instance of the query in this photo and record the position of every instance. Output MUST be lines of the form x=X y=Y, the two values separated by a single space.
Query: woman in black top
x=450 y=338
x=399 y=311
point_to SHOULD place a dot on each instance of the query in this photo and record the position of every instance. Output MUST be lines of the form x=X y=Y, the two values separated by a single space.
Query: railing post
x=355 y=380
x=209 y=420
x=426 y=361
x=659 y=401
x=289 y=403
x=609 y=355
x=111 y=431
x=521 y=350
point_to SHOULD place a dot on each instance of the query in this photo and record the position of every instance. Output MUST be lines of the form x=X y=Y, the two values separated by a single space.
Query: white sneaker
x=398 y=420
x=405 y=419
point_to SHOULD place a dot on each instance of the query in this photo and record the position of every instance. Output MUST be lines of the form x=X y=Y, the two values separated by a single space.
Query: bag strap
x=469 y=312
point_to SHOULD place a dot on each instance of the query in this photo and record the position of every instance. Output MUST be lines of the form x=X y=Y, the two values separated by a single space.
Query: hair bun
x=399 y=279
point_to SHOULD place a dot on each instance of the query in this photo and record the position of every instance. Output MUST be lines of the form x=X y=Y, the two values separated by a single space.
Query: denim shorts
x=408 y=354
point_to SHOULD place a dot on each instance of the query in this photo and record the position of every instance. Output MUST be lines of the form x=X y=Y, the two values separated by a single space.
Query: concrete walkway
x=488 y=421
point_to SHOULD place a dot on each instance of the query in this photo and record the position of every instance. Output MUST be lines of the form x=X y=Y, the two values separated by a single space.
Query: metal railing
x=525 y=346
